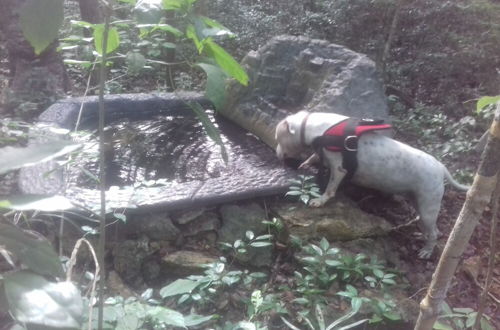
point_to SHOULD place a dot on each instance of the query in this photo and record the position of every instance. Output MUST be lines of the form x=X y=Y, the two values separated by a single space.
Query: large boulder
x=339 y=220
x=297 y=73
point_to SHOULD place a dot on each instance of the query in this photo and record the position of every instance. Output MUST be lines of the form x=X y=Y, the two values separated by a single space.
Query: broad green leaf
x=172 y=4
x=294 y=193
x=12 y=158
x=319 y=316
x=393 y=316
x=36 y=254
x=216 y=26
x=324 y=244
x=211 y=130
x=32 y=299
x=485 y=325
x=113 y=39
x=135 y=62
x=148 y=11
x=260 y=244
x=191 y=34
x=378 y=273
x=194 y=320
x=485 y=101
x=37 y=202
x=463 y=310
x=177 y=287
x=167 y=316
x=163 y=27
x=438 y=325
x=333 y=263
x=40 y=22
x=83 y=24
x=225 y=61
x=215 y=89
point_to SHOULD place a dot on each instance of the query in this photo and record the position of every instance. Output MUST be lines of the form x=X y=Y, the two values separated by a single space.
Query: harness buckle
x=351 y=143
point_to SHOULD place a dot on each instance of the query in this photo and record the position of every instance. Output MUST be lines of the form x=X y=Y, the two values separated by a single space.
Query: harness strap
x=303 y=129
x=343 y=137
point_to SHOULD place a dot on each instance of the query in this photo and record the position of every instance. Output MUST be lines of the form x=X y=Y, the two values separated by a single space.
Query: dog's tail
x=452 y=181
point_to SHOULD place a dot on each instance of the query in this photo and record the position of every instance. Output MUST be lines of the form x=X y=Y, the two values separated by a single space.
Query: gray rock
x=236 y=221
x=129 y=257
x=205 y=222
x=297 y=73
x=339 y=220
x=184 y=263
x=156 y=226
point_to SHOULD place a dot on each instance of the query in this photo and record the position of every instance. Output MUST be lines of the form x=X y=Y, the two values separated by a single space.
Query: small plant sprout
x=240 y=246
x=303 y=188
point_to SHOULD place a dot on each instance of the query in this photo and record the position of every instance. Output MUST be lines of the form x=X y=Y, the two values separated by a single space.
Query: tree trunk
x=35 y=81
x=90 y=12
x=478 y=197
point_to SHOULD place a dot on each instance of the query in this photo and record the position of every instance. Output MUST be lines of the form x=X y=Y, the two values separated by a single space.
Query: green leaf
x=40 y=22
x=37 y=202
x=211 y=130
x=225 y=61
x=36 y=254
x=85 y=64
x=293 y=193
x=191 y=34
x=32 y=299
x=463 y=310
x=83 y=24
x=216 y=27
x=249 y=234
x=485 y=325
x=471 y=319
x=393 y=316
x=12 y=158
x=324 y=244
x=333 y=263
x=215 y=89
x=113 y=39
x=135 y=62
x=194 y=320
x=180 y=286
x=356 y=303
x=485 y=101
x=260 y=244
x=378 y=273
x=163 y=27
x=438 y=325
x=304 y=198
x=167 y=316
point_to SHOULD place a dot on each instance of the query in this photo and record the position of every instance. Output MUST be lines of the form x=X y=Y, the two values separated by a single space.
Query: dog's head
x=288 y=137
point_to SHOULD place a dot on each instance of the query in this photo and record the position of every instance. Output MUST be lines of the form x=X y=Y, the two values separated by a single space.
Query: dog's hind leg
x=428 y=207
x=337 y=173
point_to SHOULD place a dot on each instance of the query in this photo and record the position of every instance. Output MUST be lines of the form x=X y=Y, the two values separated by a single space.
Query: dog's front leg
x=309 y=161
x=337 y=173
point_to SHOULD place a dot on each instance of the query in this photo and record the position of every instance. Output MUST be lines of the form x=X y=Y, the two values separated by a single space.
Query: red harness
x=343 y=137
x=350 y=136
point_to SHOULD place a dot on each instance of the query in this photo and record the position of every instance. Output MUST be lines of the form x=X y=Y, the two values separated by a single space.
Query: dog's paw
x=317 y=202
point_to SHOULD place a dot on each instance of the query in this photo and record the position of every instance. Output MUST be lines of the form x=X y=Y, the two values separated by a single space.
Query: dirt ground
x=468 y=281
